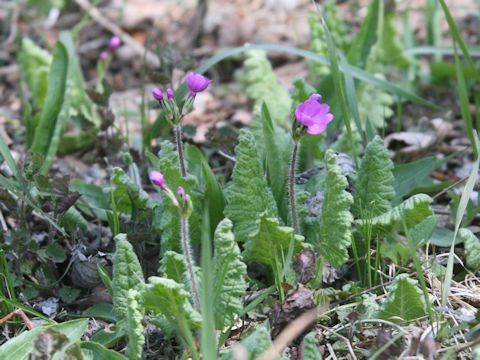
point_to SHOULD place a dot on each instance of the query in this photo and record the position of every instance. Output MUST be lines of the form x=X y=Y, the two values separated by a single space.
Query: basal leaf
x=262 y=86
x=336 y=219
x=310 y=348
x=127 y=275
x=230 y=272
x=134 y=325
x=99 y=352
x=374 y=188
x=404 y=301
x=57 y=79
x=21 y=346
x=472 y=249
x=413 y=211
x=248 y=196
x=255 y=344
x=270 y=242
x=127 y=194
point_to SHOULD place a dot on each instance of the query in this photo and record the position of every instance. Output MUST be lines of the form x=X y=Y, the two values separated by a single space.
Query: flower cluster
x=113 y=44
x=182 y=201
x=313 y=115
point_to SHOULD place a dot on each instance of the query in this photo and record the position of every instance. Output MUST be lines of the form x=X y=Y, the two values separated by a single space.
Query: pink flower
x=196 y=83
x=157 y=94
x=114 y=43
x=103 y=56
x=156 y=178
x=170 y=93
x=181 y=191
x=313 y=115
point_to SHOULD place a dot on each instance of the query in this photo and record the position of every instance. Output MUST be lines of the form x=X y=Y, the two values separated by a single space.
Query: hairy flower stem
x=291 y=187
x=181 y=155
x=187 y=252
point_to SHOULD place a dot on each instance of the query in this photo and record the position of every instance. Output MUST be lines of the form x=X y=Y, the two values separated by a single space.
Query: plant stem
x=187 y=252
x=181 y=155
x=291 y=187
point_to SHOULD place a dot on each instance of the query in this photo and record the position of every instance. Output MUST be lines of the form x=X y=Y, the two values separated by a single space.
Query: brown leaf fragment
x=393 y=350
x=304 y=265
x=428 y=347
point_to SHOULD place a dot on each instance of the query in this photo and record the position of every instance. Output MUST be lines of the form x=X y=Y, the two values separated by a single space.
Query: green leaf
x=255 y=344
x=472 y=249
x=169 y=299
x=126 y=193
x=269 y=244
x=56 y=253
x=168 y=222
x=277 y=152
x=248 y=196
x=127 y=275
x=336 y=219
x=134 y=326
x=374 y=188
x=230 y=272
x=213 y=194
x=173 y=266
x=21 y=346
x=35 y=66
x=262 y=86
x=53 y=102
x=404 y=301
x=413 y=211
x=310 y=348
x=99 y=352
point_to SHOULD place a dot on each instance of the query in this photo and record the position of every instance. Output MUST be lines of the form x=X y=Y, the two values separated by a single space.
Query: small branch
x=20 y=313
x=181 y=156
x=291 y=187
x=187 y=252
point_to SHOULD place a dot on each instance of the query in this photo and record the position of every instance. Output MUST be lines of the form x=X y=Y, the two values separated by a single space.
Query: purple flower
x=313 y=115
x=181 y=191
x=157 y=179
x=157 y=94
x=196 y=83
x=114 y=43
x=170 y=93
x=103 y=56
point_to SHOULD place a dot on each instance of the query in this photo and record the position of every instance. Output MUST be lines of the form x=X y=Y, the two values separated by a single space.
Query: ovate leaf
x=269 y=244
x=248 y=196
x=404 y=302
x=262 y=85
x=374 y=189
x=169 y=300
x=472 y=249
x=21 y=346
x=413 y=211
x=310 y=348
x=127 y=275
x=254 y=344
x=230 y=272
x=336 y=219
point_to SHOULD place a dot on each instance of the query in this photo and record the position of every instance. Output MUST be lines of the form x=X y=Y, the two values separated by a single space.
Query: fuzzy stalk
x=291 y=187
x=187 y=252
x=181 y=155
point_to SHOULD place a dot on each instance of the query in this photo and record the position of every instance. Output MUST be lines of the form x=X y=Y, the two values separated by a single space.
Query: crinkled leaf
x=127 y=275
x=134 y=326
x=269 y=243
x=230 y=272
x=255 y=344
x=374 y=188
x=126 y=193
x=404 y=301
x=336 y=219
x=472 y=249
x=262 y=86
x=167 y=216
x=248 y=196
x=310 y=348
x=167 y=298
x=413 y=211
